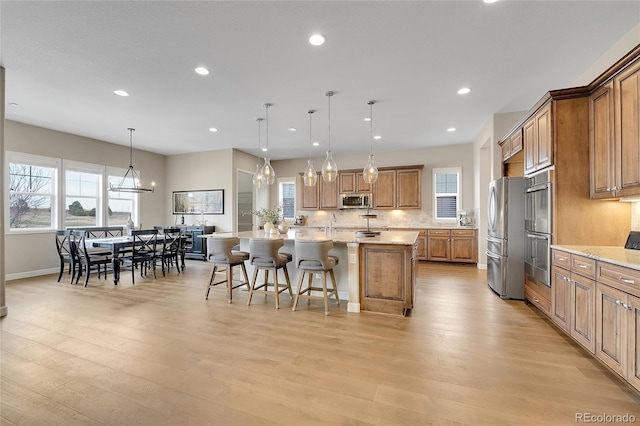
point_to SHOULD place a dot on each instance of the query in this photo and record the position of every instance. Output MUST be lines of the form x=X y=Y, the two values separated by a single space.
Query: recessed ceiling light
x=264 y=149
x=367 y=119
x=316 y=40
x=292 y=129
x=489 y=1
x=202 y=71
x=377 y=137
x=13 y=104
x=316 y=144
x=464 y=91
x=120 y=92
x=451 y=129
x=213 y=129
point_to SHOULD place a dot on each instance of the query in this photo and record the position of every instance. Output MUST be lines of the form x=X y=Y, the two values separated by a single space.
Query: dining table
x=119 y=245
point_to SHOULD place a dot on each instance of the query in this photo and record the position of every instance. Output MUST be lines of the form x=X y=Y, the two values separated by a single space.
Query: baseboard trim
x=482 y=266
x=30 y=274
x=353 y=307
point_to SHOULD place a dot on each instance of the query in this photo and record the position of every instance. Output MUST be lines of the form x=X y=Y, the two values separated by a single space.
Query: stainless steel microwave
x=355 y=201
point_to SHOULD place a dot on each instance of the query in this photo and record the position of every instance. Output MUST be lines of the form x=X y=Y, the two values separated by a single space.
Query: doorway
x=245 y=201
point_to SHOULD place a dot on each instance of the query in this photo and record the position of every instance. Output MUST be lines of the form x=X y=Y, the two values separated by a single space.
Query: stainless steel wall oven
x=538 y=228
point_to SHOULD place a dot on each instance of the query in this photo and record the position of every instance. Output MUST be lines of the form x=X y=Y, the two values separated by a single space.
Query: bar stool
x=313 y=257
x=222 y=252
x=264 y=256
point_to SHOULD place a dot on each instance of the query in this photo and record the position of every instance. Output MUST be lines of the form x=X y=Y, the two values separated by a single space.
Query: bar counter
x=373 y=274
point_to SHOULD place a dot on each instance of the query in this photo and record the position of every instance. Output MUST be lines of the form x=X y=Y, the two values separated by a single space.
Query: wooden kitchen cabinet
x=614 y=136
x=409 y=190
x=310 y=196
x=422 y=245
x=328 y=194
x=452 y=245
x=511 y=145
x=611 y=328
x=561 y=297
x=384 y=195
x=353 y=183
x=538 y=141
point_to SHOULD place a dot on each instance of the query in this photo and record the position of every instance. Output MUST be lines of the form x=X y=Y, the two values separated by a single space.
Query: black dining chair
x=143 y=252
x=88 y=260
x=170 y=252
x=65 y=252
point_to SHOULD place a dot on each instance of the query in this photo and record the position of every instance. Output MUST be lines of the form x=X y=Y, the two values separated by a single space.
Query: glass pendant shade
x=329 y=168
x=258 y=177
x=268 y=172
x=370 y=171
x=310 y=176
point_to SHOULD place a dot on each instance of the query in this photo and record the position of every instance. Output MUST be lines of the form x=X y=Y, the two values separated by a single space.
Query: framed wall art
x=198 y=202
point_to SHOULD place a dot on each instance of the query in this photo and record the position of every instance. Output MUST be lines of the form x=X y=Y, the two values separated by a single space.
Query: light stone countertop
x=615 y=255
x=337 y=236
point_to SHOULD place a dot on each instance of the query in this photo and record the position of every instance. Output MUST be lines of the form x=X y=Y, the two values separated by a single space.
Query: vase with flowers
x=270 y=217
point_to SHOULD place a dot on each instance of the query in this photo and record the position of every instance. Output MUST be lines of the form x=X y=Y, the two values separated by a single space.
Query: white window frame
x=458 y=194
x=118 y=172
x=76 y=166
x=289 y=180
x=41 y=161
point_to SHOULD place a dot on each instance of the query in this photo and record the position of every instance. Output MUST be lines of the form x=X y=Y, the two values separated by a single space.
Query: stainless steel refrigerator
x=505 y=240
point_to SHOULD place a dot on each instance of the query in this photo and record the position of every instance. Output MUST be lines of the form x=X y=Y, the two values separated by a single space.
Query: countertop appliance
x=355 y=201
x=505 y=240
x=538 y=228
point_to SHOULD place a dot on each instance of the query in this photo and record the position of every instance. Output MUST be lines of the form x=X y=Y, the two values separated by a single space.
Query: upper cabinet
x=511 y=145
x=310 y=196
x=399 y=188
x=538 y=141
x=328 y=194
x=352 y=182
x=614 y=135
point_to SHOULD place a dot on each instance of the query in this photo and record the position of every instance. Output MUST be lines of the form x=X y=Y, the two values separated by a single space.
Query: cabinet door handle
x=626 y=281
x=582 y=266
x=561 y=259
x=624 y=305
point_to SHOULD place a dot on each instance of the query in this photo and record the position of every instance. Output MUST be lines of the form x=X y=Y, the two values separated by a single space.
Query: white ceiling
x=64 y=59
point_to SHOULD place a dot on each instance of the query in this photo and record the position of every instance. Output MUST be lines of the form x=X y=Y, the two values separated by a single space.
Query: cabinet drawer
x=539 y=295
x=619 y=277
x=463 y=232
x=583 y=266
x=440 y=232
x=561 y=259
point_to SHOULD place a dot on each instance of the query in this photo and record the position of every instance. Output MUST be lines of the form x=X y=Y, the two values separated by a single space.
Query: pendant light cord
x=266 y=106
x=311 y=111
x=329 y=94
x=371 y=127
x=131 y=130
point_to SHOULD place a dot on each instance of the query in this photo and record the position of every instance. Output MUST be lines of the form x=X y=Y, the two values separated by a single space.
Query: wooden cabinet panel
x=544 y=137
x=633 y=369
x=422 y=246
x=530 y=146
x=505 y=148
x=385 y=190
x=409 y=189
x=627 y=130
x=611 y=328
x=516 y=143
x=452 y=245
x=464 y=249
x=310 y=196
x=583 y=312
x=601 y=143
x=561 y=259
x=583 y=266
x=328 y=194
x=439 y=248
x=361 y=185
x=347 y=182
x=538 y=294
x=561 y=297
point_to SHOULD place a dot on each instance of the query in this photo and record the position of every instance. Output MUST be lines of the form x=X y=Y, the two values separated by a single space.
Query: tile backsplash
x=635 y=216
x=388 y=218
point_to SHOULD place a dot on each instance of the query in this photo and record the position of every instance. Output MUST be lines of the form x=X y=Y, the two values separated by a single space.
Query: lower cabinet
x=387 y=275
x=452 y=245
x=598 y=304
x=197 y=247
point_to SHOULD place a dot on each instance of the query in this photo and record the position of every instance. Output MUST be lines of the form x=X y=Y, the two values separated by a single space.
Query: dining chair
x=65 y=253
x=143 y=252
x=171 y=242
x=88 y=261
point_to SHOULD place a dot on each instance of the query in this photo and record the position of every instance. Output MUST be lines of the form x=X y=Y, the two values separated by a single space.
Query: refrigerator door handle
x=491 y=255
x=495 y=240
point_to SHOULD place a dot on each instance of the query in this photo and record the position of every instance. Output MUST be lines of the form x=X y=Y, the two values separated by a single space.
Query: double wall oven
x=538 y=228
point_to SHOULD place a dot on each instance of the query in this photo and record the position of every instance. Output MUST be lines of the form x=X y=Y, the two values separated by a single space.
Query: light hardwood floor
x=157 y=353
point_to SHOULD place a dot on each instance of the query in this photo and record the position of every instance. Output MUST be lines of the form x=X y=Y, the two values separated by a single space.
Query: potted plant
x=269 y=217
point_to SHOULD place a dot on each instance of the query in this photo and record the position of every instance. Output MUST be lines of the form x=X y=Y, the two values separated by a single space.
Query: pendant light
x=258 y=177
x=370 y=171
x=130 y=182
x=329 y=167
x=267 y=171
x=310 y=176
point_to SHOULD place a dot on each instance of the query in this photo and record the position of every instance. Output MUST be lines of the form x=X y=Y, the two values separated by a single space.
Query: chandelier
x=130 y=182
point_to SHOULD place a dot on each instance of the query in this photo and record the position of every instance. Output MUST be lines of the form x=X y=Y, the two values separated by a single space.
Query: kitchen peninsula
x=374 y=273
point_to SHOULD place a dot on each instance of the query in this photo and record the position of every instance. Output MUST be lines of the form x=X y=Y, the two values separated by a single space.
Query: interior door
x=244 y=202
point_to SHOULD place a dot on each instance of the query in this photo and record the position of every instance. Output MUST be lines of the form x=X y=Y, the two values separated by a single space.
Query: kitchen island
x=374 y=273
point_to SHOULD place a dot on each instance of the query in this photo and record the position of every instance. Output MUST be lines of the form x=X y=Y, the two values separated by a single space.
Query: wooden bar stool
x=313 y=257
x=223 y=254
x=264 y=256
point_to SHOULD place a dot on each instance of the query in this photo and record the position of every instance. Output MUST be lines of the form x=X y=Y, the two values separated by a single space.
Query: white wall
x=34 y=253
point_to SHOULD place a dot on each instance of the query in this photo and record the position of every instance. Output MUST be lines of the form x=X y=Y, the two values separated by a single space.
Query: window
x=33 y=183
x=446 y=192
x=121 y=205
x=287 y=197
x=83 y=192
